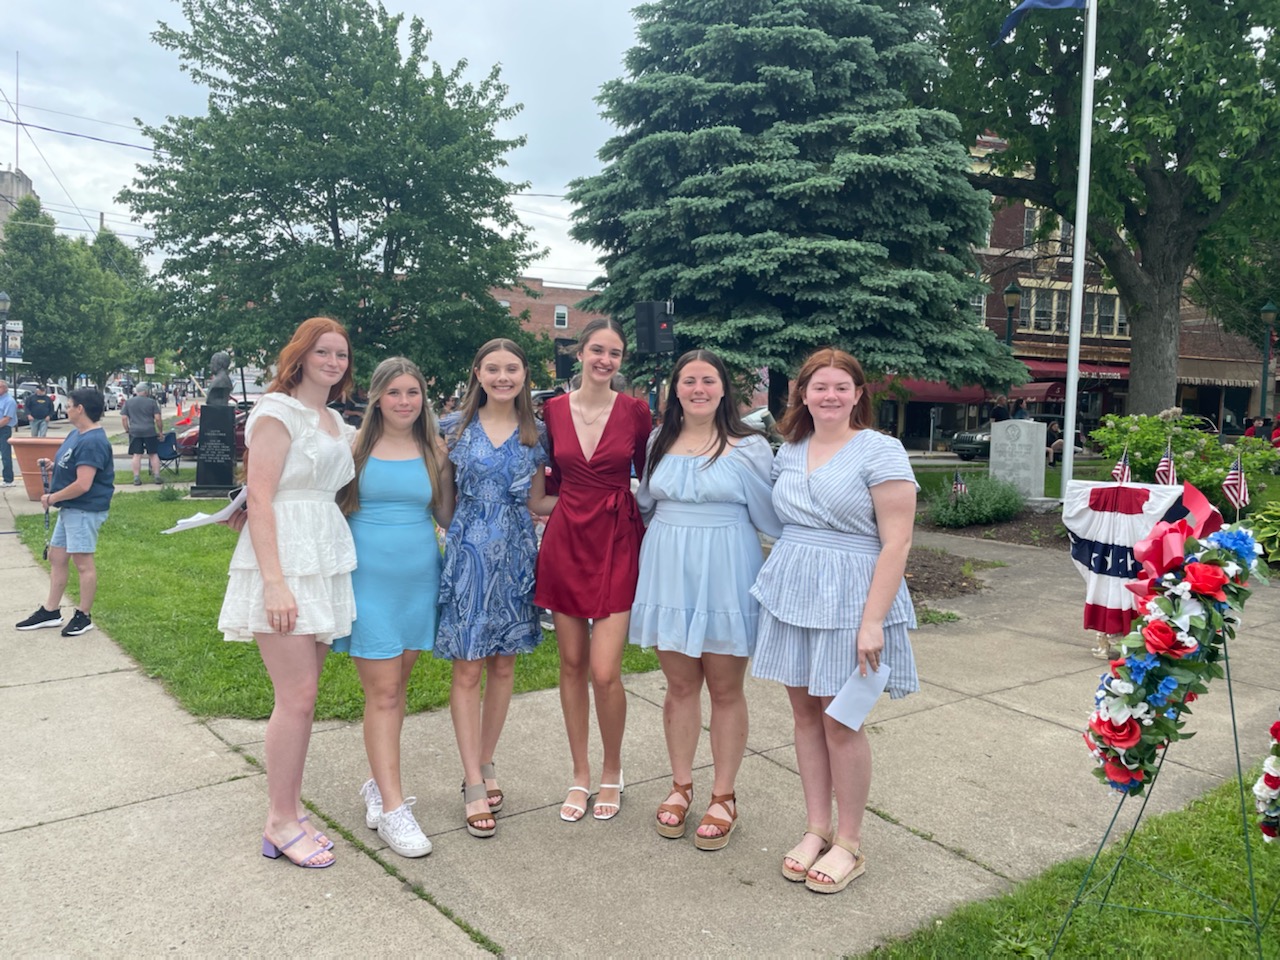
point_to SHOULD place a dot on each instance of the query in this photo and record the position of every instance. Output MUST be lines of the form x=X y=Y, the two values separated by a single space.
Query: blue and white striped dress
x=813 y=588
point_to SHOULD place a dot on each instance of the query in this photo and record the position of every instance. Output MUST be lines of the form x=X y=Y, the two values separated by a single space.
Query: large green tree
x=332 y=174
x=777 y=176
x=1186 y=130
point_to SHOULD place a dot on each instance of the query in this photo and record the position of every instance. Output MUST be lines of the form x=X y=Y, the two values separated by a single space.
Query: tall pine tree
x=776 y=175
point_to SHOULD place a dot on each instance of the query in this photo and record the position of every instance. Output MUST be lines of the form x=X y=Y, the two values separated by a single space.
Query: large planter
x=28 y=451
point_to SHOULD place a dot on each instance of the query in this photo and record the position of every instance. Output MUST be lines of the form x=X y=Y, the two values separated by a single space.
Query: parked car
x=112 y=397
x=20 y=398
x=971 y=444
x=189 y=439
x=59 y=401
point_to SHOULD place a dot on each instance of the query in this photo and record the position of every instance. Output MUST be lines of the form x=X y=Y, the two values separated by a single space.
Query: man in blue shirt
x=84 y=478
x=8 y=420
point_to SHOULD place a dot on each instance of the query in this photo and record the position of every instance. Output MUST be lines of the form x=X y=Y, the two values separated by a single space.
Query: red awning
x=1058 y=368
x=1044 y=391
x=925 y=391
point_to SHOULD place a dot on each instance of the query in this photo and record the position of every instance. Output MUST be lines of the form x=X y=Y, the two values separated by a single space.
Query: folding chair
x=170 y=458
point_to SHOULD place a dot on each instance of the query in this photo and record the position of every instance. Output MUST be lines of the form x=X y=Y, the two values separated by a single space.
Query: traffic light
x=655 y=327
x=564 y=358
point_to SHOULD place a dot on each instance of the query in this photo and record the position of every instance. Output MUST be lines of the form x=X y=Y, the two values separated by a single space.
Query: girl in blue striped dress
x=833 y=599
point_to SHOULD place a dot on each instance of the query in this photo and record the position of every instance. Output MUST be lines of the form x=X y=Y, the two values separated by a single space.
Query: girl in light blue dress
x=403 y=486
x=833 y=601
x=705 y=494
x=498 y=454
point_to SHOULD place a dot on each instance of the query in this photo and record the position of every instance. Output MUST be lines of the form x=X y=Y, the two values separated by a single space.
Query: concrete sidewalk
x=126 y=826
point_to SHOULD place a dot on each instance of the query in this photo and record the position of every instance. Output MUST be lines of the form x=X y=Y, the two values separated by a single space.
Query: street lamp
x=4 y=335
x=1012 y=297
x=1268 y=313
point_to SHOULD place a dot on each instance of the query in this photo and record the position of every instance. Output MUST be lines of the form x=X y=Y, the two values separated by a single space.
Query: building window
x=1066 y=233
x=1062 y=313
x=1044 y=310
x=1106 y=314
x=505 y=304
x=562 y=316
x=1030 y=222
x=1122 y=321
x=979 y=303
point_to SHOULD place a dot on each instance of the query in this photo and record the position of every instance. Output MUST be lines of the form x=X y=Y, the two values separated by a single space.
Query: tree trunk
x=1153 y=351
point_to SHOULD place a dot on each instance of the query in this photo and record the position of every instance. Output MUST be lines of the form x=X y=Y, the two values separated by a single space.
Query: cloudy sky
x=89 y=67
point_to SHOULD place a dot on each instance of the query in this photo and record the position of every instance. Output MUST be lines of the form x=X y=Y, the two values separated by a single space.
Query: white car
x=59 y=401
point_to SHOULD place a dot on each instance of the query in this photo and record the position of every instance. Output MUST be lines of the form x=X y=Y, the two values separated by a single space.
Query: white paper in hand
x=204 y=519
x=858 y=695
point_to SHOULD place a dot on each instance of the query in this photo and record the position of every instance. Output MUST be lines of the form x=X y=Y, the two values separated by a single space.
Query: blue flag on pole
x=1026 y=6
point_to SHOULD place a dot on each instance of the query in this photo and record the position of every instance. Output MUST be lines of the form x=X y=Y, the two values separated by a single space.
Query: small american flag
x=1236 y=487
x=1120 y=473
x=958 y=487
x=1166 y=472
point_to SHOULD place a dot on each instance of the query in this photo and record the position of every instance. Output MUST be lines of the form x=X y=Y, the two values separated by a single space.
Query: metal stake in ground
x=44 y=483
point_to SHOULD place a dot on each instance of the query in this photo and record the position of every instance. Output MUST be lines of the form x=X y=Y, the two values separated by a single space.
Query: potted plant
x=28 y=451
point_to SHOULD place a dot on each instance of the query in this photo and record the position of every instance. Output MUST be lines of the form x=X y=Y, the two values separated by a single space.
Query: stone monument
x=216 y=453
x=1017 y=455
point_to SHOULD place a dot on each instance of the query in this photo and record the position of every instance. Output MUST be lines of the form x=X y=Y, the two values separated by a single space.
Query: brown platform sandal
x=838 y=880
x=471 y=792
x=674 y=831
x=726 y=826
x=806 y=863
x=495 y=795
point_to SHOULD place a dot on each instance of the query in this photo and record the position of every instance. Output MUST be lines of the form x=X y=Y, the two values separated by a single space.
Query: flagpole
x=1079 y=240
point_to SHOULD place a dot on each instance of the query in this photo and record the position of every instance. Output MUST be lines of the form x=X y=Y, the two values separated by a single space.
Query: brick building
x=553 y=309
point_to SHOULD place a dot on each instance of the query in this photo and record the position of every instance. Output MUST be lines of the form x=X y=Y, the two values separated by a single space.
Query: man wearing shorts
x=141 y=419
x=84 y=478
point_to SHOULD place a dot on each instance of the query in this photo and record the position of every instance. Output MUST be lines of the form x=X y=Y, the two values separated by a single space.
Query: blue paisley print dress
x=486 y=586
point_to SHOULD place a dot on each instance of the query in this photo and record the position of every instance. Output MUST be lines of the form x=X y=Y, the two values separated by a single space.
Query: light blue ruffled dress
x=701 y=552
x=813 y=589
x=486 y=594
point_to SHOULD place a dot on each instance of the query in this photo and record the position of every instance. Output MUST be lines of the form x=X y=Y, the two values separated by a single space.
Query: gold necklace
x=582 y=412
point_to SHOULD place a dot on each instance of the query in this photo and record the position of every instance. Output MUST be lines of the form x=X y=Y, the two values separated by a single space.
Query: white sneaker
x=401 y=831
x=372 y=803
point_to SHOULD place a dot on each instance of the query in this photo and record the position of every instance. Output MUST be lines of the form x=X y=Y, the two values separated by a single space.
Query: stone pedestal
x=216 y=458
x=1017 y=455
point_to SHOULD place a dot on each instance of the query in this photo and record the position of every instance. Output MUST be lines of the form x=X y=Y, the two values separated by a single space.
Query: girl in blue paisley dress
x=486 y=589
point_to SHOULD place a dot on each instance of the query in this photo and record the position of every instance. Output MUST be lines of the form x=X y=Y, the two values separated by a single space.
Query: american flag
x=1236 y=487
x=1166 y=472
x=958 y=487
x=1120 y=473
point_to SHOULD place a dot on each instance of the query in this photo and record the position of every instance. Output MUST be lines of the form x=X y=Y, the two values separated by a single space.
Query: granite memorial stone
x=1017 y=455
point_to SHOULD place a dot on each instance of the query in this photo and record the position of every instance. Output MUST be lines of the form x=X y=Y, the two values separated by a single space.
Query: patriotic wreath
x=1194 y=582
x=1266 y=792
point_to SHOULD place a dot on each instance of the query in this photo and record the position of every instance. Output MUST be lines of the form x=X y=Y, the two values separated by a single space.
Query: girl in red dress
x=589 y=560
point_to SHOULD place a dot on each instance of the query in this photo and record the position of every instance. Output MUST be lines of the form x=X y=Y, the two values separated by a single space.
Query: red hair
x=798 y=422
x=289 y=363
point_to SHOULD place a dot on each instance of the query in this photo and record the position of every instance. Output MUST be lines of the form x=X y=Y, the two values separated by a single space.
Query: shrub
x=1265 y=522
x=1200 y=459
x=988 y=501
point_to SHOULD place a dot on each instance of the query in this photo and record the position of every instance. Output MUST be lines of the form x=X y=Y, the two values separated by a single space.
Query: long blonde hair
x=475 y=397
x=425 y=431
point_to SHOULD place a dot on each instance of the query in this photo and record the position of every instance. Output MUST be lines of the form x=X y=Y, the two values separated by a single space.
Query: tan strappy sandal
x=488 y=772
x=838 y=880
x=725 y=826
x=472 y=792
x=674 y=831
x=806 y=862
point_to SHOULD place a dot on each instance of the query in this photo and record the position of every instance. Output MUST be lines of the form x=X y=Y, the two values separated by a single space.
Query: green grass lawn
x=1200 y=847
x=184 y=475
x=159 y=597
x=936 y=478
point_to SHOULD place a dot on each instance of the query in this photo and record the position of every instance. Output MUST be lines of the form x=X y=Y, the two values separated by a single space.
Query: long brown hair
x=289 y=363
x=425 y=431
x=798 y=422
x=476 y=397
x=727 y=421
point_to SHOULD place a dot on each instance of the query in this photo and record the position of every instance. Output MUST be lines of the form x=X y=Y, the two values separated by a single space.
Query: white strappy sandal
x=582 y=811
x=617 y=807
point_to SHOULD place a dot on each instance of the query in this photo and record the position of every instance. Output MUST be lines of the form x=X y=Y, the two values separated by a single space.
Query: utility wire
x=77 y=116
x=81 y=136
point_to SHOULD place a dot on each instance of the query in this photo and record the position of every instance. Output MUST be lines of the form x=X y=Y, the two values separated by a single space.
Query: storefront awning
x=925 y=391
x=1221 y=373
x=1044 y=391
x=1044 y=369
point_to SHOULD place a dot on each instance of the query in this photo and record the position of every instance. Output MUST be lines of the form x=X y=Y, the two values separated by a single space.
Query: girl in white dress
x=290 y=580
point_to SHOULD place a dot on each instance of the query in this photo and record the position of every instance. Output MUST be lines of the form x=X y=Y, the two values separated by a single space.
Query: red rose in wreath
x=1119 y=773
x=1120 y=736
x=1206 y=579
x=1162 y=640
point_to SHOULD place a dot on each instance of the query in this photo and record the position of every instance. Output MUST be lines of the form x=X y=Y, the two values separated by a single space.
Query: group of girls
x=829 y=601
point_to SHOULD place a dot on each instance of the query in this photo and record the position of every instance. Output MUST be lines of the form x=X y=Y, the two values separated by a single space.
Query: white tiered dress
x=317 y=553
